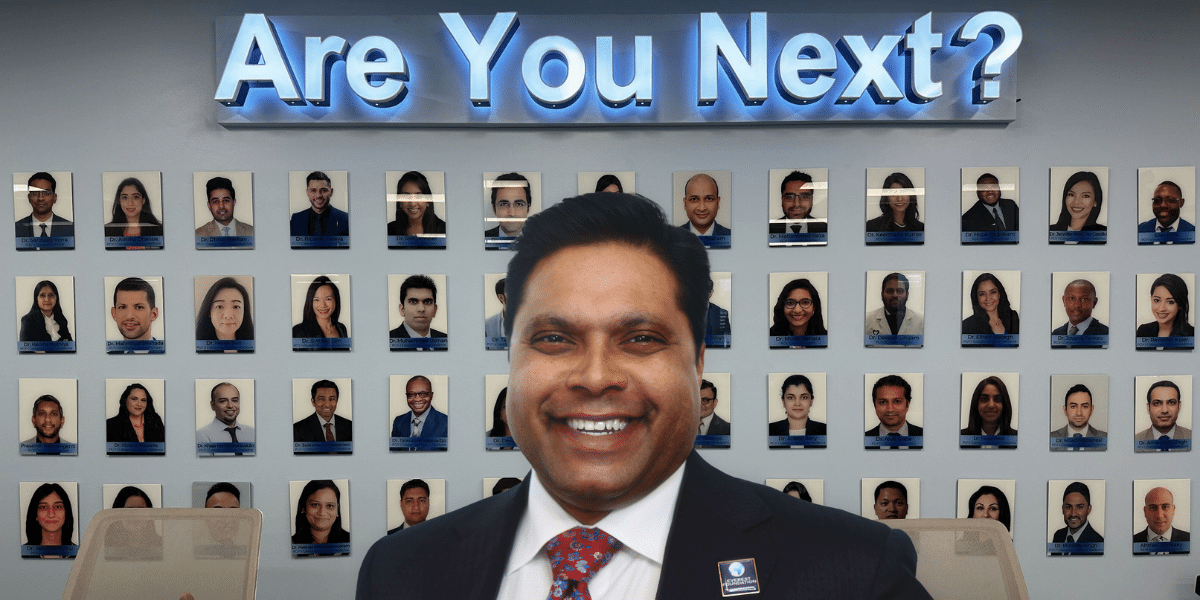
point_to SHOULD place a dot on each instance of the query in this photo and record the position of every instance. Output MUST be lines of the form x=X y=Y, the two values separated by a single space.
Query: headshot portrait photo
x=1165 y=311
x=1075 y=517
x=224 y=209
x=1163 y=414
x=991 y=205
x=606 y=181
x=1166 y=209
x=987 y=499
x=133 y=539
x=893 y=411
x=48 y=416
x=322 y=416
x=798 y=207
x=321 y=526
x=416 y=209
x=497 y=435
x=44 y=208
x=418 y=312
x=991 y=307
x=1079 y=309
x=718 y=327
x=494 y=300
x=797 y=317
x=700 y=208
x=508 y=199
x=133 y=324
x=224 y=313
x=895 y=304
x=319 y=205
x=499 y=485
x=808 y=490
x=1162 y=516
x=225 y=417
x=321 y=312
x=418 y=412
x=136 y=413
x=797 y=410
x=45 y=313
x=895 y=205
x=885 y=498
x=222 y=494
x=412 y=501
x=714 y=427
x=51 y=527
x=1080 y=217
x=1079 y=409
x=988 y=418
x=133 y=210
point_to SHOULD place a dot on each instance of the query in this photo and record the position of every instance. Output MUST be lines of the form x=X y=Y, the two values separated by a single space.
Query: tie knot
x=575 y=556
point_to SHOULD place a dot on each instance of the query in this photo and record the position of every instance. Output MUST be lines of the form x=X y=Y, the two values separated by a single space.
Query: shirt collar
x=883 y=430
x=1172 y=227
x=1082 y=325
x=413 y=334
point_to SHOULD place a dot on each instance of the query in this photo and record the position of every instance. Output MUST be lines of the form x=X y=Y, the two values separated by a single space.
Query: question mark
x=1004 y=29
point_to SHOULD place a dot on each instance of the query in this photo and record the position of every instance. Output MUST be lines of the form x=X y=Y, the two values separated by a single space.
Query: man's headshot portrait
x=47 y=416
x=493 y=311
x=699 y=208
x=606 y=303
x=1080 y=319
x=225 y=417
x=1161 y=516
x=1079 y=413
x=412 y=501
x=417 y=325
x=796 y=410
x=798 y=212
x=990 y=210
x=134 y=326
x=1163 y=425
x=1076 y=525
x=417 y=210
x=894 y=317
x=885 y=499
x=1164 y=209
x=314 y=198
x=894 y=405
x=714 y=429
x=418 y=411
x=45 y=324
x=224 y=209
x=621 y=182
x=321 y=416
x=509 y=199
x=222 y=494
x=807 y=490
x=718 y=329
x=45 y=201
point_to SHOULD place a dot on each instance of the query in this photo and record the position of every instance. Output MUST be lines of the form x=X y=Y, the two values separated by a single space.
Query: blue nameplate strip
x=59 y=346
x=1154 y=237
x=797 y=239
x=320 y=241
x=1079 y=237
x=1168 y=547
x=246 y=448
x=1162 y=445
x=798 y=341
x=417 y=241
x=35 y=550
x=894 y=441
x=1181 y=342
x=895 y=237
x=320 y=549
x=805 y=441
x=136 y=346
x=133 y=241
x=62 y=242
x=712 y=441
x=717 y=341
x=223 y=345
x=1079 y=341
x=990 y=237
x=61 y=448
x=136 y=447
x=1004 y=441
x=224 y=241
x=1083 y=443
x=495 y=343
x=322 y=447
x=715 y=241
x=500 y=443
x=1094 y=548
x=321 y=343
x=879 y=339
x=498 y=243
x=430 y=343
x=994 y=340
x=421 y=443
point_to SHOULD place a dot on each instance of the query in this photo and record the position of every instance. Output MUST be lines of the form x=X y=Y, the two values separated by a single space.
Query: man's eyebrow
x=627 y=320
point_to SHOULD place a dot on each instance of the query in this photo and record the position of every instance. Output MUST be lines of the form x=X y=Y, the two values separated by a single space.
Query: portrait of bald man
x=1080 y=297
x=700 y=202
x=1160 y=535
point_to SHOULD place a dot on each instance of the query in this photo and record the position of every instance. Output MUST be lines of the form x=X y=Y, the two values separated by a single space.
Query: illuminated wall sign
x=511 y=70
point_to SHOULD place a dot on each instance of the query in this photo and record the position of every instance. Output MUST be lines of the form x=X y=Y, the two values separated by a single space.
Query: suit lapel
x=485 y=543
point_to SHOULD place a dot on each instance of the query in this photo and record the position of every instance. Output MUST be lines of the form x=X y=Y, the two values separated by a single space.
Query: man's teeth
x=597 y=427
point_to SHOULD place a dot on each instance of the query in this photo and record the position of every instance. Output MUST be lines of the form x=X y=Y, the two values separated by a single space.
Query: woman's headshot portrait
x=795 y=411
x=319 y=508
x=48 y=319
x=989 y=410
x=797 y=311
x=224 y=318
x=1081 y=217
x=808 y=490
x=132 y=212
x=50 y=518
x=317 y=312
x=419 y=197
x=618 y=182
x=135 y=418
x=132 y=539
x=1164 y=309
x=988 y=308
x=987 y=499
x=498 y=436
x=894 y=208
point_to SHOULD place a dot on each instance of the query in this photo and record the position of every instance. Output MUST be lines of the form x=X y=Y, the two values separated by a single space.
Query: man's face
x=325 y=402
x=1164 y=407
x=891 y=504
x=419 y=395
x=415 y=503
x=418 y=308
x=42 y=199
x=227 y=404
x=220 y=204
x=1159 y=510
x=894 y=294
x=1079 y=300
x=511 y=203
x=604 y=393
x=988 y=190
x=797 y=200
x=47 y=420
x=1166 y=203
x=701 y=202
x=133 y=314
x=890 y=406
x=708 y=402
x=222 y=500
x=1078 y=409
x=1075 y=509
x=319 y=192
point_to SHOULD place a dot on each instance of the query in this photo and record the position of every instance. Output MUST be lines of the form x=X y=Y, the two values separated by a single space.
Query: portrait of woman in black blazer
x=136 y=419
x=1082 y=198
x=898 y=211
x=1170 y=306
x=45 y=321
x=991 y=311
x=796 y=393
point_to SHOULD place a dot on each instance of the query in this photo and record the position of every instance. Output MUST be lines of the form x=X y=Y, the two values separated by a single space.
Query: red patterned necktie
x=575 y=557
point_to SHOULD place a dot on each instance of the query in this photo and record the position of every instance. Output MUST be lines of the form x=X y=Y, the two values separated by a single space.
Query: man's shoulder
x=1179 y=535
x=437 y=334
x=399 y=332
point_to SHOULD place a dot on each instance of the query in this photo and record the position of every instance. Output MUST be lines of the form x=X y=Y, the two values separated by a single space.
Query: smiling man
x=1165 y=204
x=892 y=397
x=991 y=212
x=42 y=222
x=1163 y=403
x=422 y=419
x=796 y=201
x=48 y=421
x=1079 y=299
x=134 y=312
x=323 y=425
x=894 y=317
x=1076 y=508
x=321 y=218
x=702 y=202
x=225 y=400
x=221 y=203
x=606 y=306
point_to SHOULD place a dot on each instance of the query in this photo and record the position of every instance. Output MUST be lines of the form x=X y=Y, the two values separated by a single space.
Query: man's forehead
x=40 y=185
x=1169 y=188
x=418 y=293
x=226 y=391
x=327 y=391
x=133 y=297
x=220 y=193
x=416 y=492
x=701 y=183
